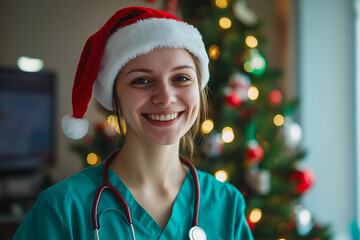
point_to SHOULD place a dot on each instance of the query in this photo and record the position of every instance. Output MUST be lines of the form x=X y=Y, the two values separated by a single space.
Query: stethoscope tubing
x=107 y=186
x=197 y=189
x=102 y=188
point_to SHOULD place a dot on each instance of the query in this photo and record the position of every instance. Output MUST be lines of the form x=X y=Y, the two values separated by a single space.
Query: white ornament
x=213 y=145
x=244 y=14
x=239 y=80
x=303 y=219
x=259 y=180
x=292 y=133
x=239 y=83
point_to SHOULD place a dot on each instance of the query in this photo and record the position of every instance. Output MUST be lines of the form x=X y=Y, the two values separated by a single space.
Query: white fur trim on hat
x=140 y=38
x=74 y=128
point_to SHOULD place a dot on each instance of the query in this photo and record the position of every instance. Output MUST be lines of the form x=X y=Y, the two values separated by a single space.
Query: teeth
x=163 y=118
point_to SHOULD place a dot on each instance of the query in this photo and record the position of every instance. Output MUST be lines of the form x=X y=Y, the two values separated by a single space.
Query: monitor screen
x=27 y=113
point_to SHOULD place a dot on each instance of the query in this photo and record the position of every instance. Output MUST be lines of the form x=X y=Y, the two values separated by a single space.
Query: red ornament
x=254 y=153
x=275 y=97
x=304 y=178
x=236 y=92
x=233 y=99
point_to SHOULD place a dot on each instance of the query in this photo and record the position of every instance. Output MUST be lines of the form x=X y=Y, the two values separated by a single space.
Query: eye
x=140 y=81
x=182 y=79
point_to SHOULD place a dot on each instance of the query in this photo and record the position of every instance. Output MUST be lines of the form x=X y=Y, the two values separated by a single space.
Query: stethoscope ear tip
x=197 y=233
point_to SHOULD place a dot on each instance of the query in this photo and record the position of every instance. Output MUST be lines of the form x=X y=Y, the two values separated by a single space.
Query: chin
x=165 y=141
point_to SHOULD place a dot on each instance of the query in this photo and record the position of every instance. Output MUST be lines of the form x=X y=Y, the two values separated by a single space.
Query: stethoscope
x=195 y=233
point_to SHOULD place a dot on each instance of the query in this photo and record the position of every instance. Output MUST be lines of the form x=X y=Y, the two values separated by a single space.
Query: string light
x=256 y=64
x=227 y=135
x=92 y=159
x=214 y=52
x=248 y=67
x=221 y=3
x=221 y=176
x=207 y=126
x=253 y=93
x=225 y=23
x=279 y=120
x=251 y=41
x=112 y=123
x=255 y=215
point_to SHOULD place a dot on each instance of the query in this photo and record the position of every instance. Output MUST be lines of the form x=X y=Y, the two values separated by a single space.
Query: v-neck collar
x=142 y=218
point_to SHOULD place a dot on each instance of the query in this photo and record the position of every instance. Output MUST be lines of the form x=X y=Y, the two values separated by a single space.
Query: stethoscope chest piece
x=196 y=233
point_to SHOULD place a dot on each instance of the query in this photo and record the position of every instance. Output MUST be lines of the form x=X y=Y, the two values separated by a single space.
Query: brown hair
x=187 y=141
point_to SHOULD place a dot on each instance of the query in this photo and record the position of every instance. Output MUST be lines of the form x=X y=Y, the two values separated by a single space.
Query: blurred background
x=305 y=51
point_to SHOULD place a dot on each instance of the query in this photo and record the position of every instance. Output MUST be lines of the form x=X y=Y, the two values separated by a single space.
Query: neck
x=146 y=165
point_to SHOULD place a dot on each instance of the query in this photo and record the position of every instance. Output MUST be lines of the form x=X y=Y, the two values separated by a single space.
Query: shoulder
x=61 y=210
x=79 y=185
x=224 y=191
x=209 y=181
x=225 y=203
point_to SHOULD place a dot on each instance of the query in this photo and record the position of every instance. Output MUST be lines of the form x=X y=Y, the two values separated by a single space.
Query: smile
x=162 y=117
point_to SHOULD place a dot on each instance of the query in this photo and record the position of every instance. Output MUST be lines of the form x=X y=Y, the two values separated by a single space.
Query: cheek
x=129 y=103
x=193 y=100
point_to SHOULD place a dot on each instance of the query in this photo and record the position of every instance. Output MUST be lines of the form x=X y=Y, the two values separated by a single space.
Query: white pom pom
x=74 y=128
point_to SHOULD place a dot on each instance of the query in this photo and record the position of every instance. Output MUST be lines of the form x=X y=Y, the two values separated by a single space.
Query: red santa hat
x=129 y=33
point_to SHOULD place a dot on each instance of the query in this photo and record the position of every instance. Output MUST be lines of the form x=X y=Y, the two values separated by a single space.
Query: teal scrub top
x=63 y=211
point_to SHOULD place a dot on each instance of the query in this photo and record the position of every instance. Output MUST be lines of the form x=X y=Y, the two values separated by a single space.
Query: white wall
x=326 y=82
x=56 y=32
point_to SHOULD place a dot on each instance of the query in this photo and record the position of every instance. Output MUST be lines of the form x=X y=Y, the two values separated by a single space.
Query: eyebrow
x=145 y=70
x=182 y=67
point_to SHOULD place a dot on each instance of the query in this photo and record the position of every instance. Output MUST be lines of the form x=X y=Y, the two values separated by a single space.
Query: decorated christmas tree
x=251 y=138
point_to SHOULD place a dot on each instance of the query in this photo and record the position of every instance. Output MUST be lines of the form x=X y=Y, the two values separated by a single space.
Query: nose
x=164 y=95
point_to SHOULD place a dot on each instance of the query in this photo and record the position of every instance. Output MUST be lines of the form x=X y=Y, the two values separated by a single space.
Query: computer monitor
x=27 y=114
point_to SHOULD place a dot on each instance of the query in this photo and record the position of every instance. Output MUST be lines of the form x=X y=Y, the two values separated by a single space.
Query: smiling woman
x=165 y=88
x=151 y=69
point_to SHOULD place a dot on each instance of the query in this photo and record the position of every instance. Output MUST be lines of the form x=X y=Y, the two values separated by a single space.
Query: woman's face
x=159 y=95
